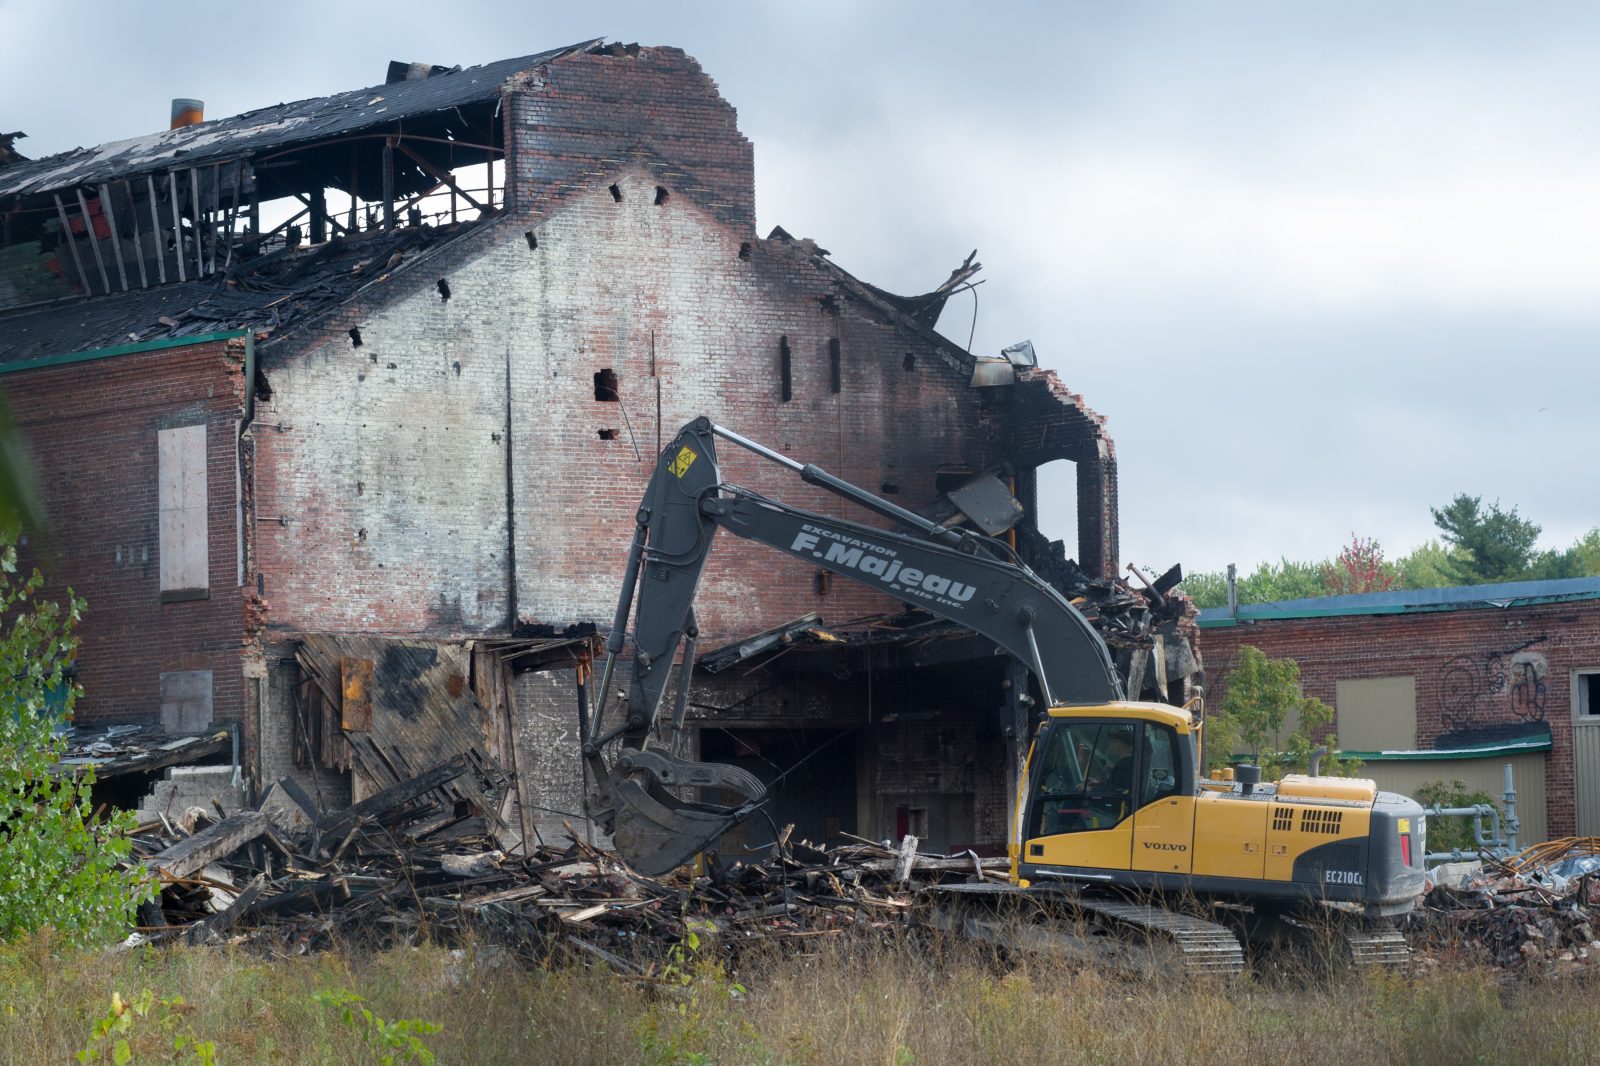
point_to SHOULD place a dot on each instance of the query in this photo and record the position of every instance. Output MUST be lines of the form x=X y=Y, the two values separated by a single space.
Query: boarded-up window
x=182 y=500
x=1377 y=714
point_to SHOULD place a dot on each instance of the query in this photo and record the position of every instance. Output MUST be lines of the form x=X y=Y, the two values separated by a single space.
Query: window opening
x=1589 y=695
x=605 y=386
x=1086 y=778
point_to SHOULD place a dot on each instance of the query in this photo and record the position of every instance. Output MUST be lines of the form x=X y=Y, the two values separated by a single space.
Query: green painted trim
x=1491 y=751
x=1245 y=615
x=123 y=349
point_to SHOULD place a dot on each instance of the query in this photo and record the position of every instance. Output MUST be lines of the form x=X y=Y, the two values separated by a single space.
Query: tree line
x=1478 y=544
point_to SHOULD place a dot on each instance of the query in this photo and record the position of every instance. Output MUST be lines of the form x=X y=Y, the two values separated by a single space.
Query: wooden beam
x=66 y=235
x=138 y=241
x=177 y=224
x=155 y=229
x=116 y=238
x=255 y=204
x=445 y=178
x=211 y=216
x=233 y=214
x=94 y=242
x=388 y=183
x=194 y=222
x=388 y=799
x=195 y=853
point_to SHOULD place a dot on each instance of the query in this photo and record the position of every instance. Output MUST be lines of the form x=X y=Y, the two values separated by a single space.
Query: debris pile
x=1537 y=911
x=400 y=866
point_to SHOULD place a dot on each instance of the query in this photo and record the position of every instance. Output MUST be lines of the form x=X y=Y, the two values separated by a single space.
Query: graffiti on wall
x=1471 y=690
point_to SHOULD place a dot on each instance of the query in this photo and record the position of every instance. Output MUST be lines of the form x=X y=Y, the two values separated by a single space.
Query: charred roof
x=269 y=129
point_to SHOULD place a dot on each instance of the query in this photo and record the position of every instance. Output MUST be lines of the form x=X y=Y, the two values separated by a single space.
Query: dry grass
x=895 y=1006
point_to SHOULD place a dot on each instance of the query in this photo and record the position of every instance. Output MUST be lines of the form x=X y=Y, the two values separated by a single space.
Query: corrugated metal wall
x=1586 y=773
x=1487 y=775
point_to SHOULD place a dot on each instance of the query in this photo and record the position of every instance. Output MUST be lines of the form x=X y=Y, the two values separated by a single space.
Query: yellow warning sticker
x=683 y=461
x=1405 y=824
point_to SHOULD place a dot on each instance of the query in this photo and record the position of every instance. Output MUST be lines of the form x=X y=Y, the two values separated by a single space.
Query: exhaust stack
x=186 y=112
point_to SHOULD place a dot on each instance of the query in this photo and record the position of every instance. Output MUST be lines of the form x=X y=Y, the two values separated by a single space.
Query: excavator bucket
x=655 y=833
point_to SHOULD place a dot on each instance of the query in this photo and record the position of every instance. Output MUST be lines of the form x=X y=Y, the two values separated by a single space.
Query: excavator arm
x=950 y=573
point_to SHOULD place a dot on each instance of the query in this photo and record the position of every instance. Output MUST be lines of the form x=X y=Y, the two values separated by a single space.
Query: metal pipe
x=1038 y=666
x=619 y=621
x=760 y=449
x=1510 y=799
x=812 y=474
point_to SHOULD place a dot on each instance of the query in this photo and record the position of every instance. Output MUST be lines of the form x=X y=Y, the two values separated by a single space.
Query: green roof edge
x=121 y=349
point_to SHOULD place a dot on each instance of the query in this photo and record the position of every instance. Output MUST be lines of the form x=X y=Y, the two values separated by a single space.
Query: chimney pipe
x=187 y=112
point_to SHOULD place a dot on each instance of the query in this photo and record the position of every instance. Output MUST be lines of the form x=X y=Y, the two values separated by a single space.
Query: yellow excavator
x=1115 y=826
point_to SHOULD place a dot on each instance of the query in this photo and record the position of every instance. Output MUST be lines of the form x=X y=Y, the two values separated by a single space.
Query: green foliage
x=1283 y=580
x=1266 y=713
x=1452 y=834
x=677 y=1031
x=1429 y=566
x=1360 y=567
x=389 y=1042
x=59 y=867
x=1497 y=545
x=161 y=1022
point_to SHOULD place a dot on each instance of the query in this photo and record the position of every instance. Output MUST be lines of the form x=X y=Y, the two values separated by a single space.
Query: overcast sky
x=1321 y=265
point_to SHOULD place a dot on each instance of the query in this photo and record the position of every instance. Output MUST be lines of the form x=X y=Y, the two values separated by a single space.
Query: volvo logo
x=1156 y=845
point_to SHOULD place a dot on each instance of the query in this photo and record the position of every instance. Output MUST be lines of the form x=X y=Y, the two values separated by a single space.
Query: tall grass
x=894 y=1005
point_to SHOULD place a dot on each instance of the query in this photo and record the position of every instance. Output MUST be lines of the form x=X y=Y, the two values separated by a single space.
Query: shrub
x=59 y=866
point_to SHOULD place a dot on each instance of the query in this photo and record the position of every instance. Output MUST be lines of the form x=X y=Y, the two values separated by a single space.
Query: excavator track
x=1108 y=934
x=1204 y=947
x=1379 y=946
x=1347 y=939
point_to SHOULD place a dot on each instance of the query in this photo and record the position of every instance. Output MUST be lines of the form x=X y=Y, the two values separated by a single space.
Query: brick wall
x=382 y=499
x=456 y=472
x=1467 y=665
x=92 y=428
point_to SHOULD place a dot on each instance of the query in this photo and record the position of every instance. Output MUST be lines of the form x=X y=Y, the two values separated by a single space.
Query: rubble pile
x=396 y=868
x=1538 y=911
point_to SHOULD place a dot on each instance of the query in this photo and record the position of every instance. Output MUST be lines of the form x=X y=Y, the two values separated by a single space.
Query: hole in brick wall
x=444 y=289
x=889 y=488
x=607 y=434
x=374 y=357
x=950 y=478
x=785 y=374
x=533 y=242
x=835 y=366
x=361 y=488
x=1051 y=498
x=393 y=366
x=605 y=386
x=361 y=534
x=457 y=367
x=661 y=195
x=744 y=250
x=830 y=306
x=355 y=337
x=909 y=362
x=616 y=194
x=263 y=386
x=822 y=581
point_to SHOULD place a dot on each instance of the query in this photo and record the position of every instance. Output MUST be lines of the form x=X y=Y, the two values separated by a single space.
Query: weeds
x=894 y=1004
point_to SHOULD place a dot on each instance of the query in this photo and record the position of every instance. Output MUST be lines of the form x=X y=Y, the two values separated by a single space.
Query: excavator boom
x=953 y=574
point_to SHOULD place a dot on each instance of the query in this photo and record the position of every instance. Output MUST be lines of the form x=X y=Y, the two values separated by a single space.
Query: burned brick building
x=342 y=409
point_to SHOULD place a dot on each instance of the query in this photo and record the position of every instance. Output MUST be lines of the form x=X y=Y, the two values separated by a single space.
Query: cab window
x=1086 y=777
x=1159 y=776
